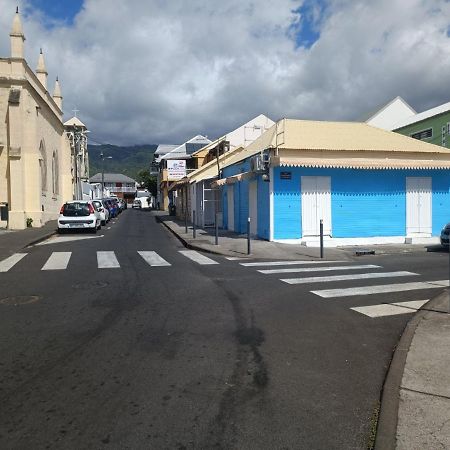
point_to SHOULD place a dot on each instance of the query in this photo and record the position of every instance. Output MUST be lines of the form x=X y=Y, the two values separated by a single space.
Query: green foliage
x=29 y=222
x=127 y=160
x=147 y=181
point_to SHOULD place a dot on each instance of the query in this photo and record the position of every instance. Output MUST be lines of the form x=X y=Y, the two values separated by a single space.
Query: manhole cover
x=89 y=285
x=20 y=300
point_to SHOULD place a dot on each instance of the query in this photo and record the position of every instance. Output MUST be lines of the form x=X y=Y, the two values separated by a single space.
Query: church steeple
x=17 y=37
x=41 y=71
x=57 y=94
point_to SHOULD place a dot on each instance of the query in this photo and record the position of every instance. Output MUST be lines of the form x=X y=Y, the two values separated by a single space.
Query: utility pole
x=103 y=157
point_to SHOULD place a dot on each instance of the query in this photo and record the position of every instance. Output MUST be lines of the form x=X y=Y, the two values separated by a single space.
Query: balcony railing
x=120 y=189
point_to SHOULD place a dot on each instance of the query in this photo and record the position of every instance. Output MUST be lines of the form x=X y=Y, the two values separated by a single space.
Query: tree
x=147 y=181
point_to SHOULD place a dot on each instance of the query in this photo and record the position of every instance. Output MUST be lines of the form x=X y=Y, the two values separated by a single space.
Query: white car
x=79 y=215
x=103 y=211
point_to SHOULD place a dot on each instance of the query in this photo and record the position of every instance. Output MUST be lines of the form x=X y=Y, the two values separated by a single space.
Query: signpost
x=176 y=169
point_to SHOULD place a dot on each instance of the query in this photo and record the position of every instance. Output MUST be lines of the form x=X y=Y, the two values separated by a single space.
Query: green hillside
x=126 y=160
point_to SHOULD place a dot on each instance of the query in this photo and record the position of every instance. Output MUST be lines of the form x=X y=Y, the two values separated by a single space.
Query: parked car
x=79 y=214
x=445 y=233
x=112 y=208
x=103 y=211
x=136 y=203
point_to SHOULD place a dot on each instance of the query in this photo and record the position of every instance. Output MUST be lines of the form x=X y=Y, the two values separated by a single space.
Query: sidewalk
x=235 y=245
x=415 y=407
x=15 y=241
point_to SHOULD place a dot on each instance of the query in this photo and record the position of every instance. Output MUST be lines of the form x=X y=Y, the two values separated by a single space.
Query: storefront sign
x=176 y=169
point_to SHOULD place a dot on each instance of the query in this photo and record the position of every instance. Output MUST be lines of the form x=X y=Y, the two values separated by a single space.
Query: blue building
x=365 y=184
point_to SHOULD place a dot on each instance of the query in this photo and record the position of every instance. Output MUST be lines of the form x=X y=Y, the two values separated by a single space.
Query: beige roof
x=343 y=139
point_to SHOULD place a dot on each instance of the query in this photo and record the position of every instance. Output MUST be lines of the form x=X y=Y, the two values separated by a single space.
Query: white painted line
x=391 y=309
x=234 y=258
x=317 y=269
x=353 y=276
x=287 y=263
x=57 y=261
x=197 y=257
x=153 y=259
x=63 y=239
x=367 y=290
x=107 y=260
x=7 y=263
x=108 y=228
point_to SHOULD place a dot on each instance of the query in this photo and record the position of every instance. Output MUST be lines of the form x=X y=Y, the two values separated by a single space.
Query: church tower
x=17 y=37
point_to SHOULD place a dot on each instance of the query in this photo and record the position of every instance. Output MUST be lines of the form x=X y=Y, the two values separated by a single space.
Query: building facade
x=366 y=186
x=35 y=165
x=118 y=184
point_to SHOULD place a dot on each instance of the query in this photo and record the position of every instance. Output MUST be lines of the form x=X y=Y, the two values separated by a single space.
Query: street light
x=103 y=157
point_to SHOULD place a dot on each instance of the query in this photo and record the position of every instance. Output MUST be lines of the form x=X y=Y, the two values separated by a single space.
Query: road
x=162 y=351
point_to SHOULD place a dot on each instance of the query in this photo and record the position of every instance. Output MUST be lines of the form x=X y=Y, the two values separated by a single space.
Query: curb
x=191 y=246
x=386 y=435
x=40 y=239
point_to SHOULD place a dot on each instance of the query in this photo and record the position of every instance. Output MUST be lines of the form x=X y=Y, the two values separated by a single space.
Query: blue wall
x=263 y=208
x=364 y=203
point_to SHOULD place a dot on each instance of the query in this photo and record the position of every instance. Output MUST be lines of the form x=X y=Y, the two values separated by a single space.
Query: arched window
x=43 y=166
x=55 y=172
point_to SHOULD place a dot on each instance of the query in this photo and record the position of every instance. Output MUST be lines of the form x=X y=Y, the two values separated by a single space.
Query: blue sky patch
x=307 y=30
x=58 y=10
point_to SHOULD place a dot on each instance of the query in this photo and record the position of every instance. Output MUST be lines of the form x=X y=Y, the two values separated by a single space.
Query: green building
x=432 y=126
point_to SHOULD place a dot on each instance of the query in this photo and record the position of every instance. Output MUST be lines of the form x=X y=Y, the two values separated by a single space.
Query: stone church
x=36 y=175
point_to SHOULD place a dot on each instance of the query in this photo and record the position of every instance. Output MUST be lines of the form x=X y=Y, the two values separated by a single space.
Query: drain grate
x=20 y=300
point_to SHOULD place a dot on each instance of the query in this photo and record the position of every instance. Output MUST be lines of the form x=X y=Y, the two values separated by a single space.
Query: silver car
x=104 y=212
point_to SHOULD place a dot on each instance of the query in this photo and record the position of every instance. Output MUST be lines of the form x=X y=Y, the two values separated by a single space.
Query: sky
x=163 y=71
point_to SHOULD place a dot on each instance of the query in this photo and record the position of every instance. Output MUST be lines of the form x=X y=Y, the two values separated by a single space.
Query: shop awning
x=233 y=179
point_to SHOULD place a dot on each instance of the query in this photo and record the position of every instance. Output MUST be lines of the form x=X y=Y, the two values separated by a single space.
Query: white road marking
x=234 y=258
x=197 y=257
x=62 y=239
x=353 y=276
x=153 y=259
x=391 y=309
x=57 y=261
x=10 y=262
x=317 y=269
x=379 y=289
x=107 y=260
x=287 y=263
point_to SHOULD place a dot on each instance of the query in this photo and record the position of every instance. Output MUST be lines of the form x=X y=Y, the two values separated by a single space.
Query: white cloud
x=162 y=71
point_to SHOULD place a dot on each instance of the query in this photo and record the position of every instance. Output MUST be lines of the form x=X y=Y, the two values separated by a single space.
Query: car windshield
x=142 y=194
x=76 y=209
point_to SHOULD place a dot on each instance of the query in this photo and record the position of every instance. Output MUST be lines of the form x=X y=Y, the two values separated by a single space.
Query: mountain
x=126 y=160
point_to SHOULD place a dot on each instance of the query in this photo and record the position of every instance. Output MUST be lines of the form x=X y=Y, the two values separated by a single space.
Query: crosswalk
x=105 y=260
x=315 y=272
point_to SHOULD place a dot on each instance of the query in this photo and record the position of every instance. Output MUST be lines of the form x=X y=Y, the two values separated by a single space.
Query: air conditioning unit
x=257 y=164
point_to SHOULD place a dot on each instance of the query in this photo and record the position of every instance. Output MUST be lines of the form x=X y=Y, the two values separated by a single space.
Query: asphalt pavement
x=128 y=340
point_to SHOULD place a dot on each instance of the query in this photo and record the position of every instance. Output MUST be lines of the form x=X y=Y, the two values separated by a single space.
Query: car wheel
x=103 y=222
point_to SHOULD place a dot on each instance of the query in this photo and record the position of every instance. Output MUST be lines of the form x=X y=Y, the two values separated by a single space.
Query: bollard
x=321 y=238
x=185 y=221
x=217 y=229
x=248 y=237
x=193 y=224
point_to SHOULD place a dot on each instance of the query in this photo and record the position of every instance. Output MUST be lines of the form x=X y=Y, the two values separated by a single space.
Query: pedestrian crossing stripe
x=318 y=269
x=197 y=257
x=57 y=261
x=381 y=289
x=107 y=260
x=354 y=276
x=287 y=263
x=153 y=259
x=10 y=262
x=390 y=309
